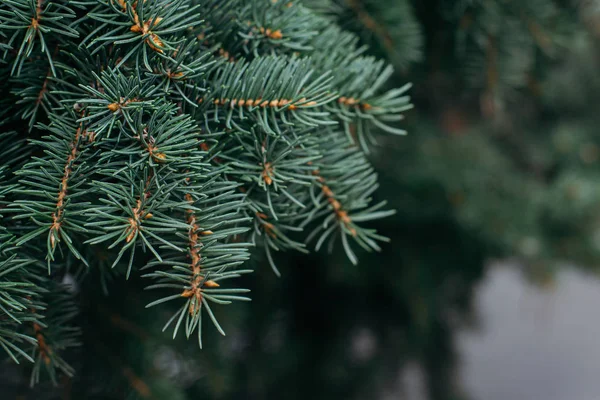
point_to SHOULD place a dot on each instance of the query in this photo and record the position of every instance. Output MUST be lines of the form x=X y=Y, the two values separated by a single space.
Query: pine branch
x=52 y=186
x=345 y=182
x=175 y=136
x=36 y=24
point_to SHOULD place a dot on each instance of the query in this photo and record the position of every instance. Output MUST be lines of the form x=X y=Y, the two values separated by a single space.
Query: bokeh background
x=488 y=289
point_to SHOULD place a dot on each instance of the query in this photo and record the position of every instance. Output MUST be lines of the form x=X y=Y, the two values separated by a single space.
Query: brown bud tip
x=206 y=233
x=113 y=107
x=276 y=34
x=187 y=293
x=211 y=284
x=160 y=157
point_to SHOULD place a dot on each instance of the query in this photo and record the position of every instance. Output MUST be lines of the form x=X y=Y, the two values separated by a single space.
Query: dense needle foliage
x=174 y=140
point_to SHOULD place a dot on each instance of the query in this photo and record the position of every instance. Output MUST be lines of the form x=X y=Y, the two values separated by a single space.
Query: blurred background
x=488 y=288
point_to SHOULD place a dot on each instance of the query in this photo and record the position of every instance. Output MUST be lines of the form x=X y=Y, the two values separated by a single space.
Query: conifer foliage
x=173 y=139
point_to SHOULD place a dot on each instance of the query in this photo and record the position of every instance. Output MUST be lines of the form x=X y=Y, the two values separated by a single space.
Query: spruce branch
x=37 y=24
x=52 y=187
x=165 y=139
